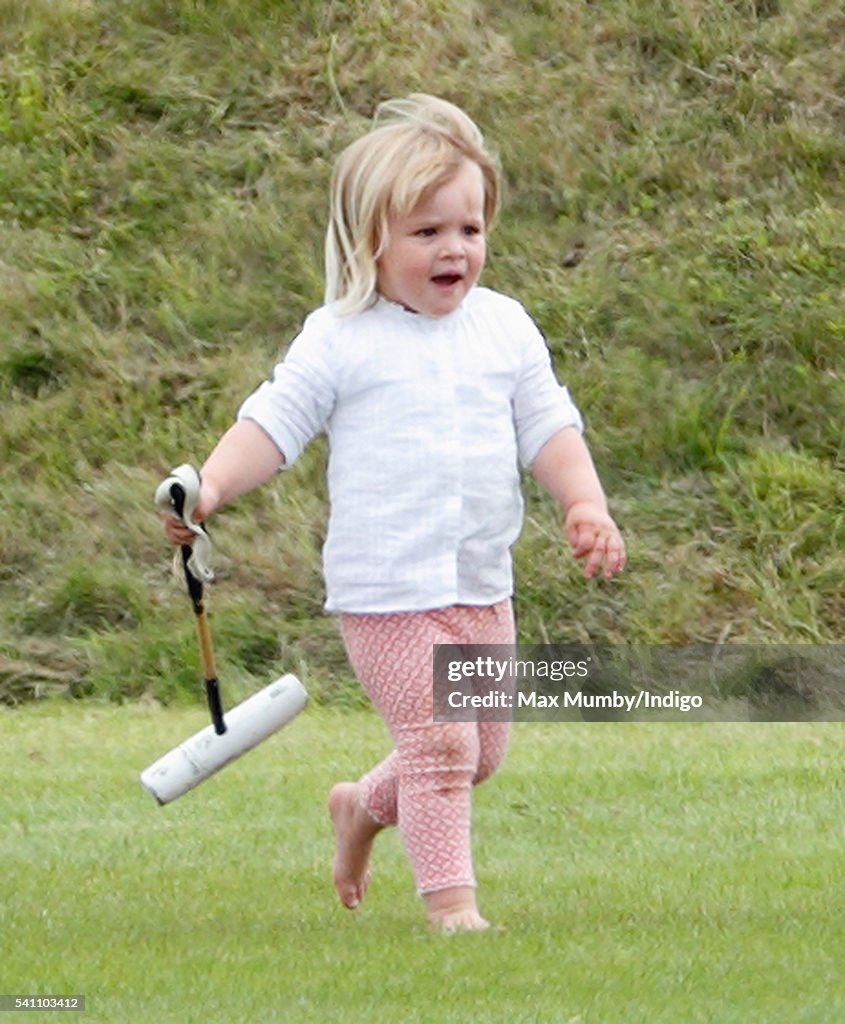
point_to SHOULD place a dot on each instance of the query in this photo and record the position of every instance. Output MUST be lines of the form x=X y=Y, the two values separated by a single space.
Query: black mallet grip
x=212 y=687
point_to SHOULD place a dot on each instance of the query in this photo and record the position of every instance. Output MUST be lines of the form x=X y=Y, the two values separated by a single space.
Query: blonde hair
x=416 y=144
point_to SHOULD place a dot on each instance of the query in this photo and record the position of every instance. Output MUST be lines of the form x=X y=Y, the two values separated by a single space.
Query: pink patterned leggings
x=425 y=784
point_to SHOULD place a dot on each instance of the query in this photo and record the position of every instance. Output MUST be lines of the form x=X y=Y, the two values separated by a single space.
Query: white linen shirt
x=428 y=419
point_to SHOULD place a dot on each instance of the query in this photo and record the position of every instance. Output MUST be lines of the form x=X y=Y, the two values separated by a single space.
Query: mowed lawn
x=667 y=874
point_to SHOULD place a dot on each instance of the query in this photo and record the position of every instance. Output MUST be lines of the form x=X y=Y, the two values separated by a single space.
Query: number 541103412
x=38 y=1002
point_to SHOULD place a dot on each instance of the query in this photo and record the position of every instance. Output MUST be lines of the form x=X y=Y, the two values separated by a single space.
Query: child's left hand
x=594 y=536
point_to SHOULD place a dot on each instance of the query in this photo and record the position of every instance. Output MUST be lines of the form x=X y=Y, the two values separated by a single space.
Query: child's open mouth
x=446 y=280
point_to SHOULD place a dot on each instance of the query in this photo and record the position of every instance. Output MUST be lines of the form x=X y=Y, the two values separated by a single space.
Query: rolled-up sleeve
x=541 y=405
x=295 y=404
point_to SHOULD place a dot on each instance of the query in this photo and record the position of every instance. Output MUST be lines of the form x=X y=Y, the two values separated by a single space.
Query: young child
x=432 y=391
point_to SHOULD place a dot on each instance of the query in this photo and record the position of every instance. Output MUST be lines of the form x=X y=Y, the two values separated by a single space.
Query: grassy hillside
x=674 y=220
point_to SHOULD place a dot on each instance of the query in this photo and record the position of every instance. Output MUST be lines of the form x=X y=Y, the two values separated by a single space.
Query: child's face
x=435 y=254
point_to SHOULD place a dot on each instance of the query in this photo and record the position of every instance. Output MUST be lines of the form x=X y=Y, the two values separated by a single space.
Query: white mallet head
x=206 y=752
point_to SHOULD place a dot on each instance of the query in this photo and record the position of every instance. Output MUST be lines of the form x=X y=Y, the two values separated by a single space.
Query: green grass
x=657 y=874
x=673 y=219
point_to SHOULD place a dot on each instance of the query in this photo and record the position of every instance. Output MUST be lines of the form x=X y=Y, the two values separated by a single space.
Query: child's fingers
x=594 y=561
x=175 y=531
x=607 y=553
x=615 y=556
x=596 y=538
x=582 y=537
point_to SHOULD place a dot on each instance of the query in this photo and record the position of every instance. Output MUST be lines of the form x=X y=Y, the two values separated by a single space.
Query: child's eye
x=427 y=232
x=472 y=229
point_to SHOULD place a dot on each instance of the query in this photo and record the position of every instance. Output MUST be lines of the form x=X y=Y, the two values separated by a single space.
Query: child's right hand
x=176 y=531
x=243 y=458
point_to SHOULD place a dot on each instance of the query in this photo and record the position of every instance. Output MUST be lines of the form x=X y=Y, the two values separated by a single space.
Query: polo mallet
x=247 y=724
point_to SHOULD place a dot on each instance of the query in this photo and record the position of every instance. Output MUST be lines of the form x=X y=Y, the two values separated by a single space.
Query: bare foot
x=459 y=921
x=354 y=834
x=454 y=910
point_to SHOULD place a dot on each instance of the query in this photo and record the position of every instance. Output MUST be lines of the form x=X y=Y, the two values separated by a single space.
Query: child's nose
x=453 y=244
